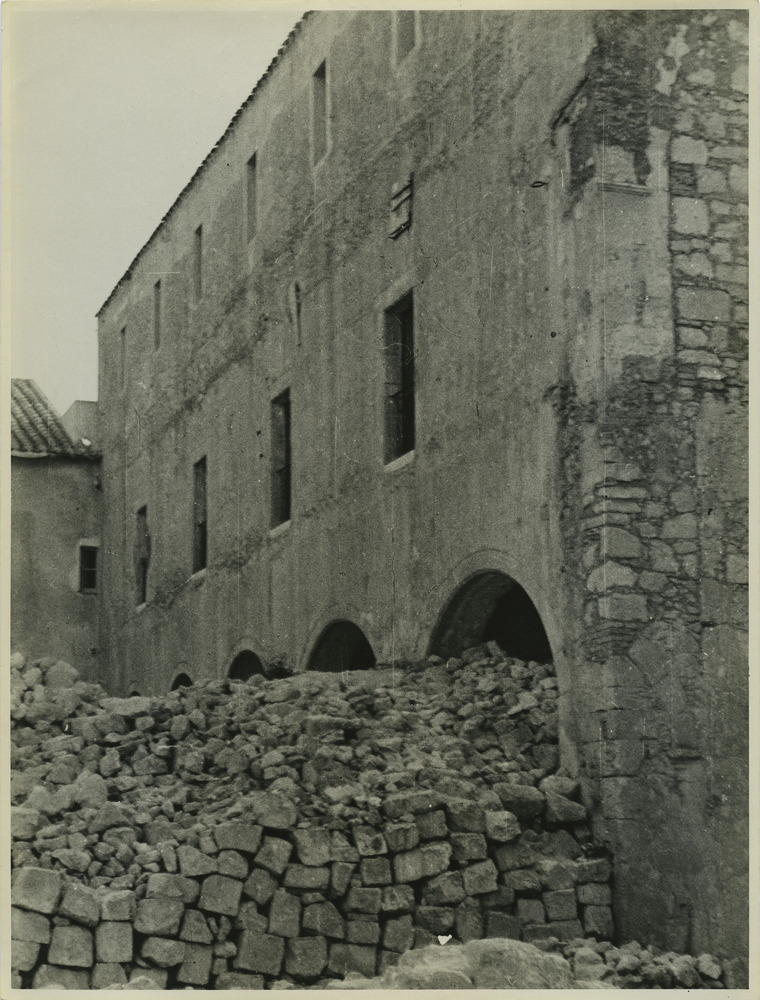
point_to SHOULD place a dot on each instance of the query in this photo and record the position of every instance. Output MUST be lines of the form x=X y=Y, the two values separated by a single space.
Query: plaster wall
x=56 y=508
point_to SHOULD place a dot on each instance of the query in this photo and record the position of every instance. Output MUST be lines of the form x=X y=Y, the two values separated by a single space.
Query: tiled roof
x=35 y=426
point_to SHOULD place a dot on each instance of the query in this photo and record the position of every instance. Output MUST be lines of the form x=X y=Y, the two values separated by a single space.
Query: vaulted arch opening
x=342 y=646
x=181 y=681
x=491 y=606
x=245 y=665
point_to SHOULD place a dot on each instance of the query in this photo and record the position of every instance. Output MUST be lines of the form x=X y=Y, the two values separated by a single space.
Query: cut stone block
x=345 y=958
x=397 y=899
x=172 y=887
x=220 y=894
x=259 y=886
x=274 y=855
x=237 y=836
x=107 y=975
x=369 y=841
x=303 y=877
x=375 y=871
x=196 y=967
x=284 y=915
x=160 y=916
x=24 y=955
x=37 y=889
x=80 y=903
x=444 y=890
x=26 y=925
x=362 y=931
x=51 y=976
x=502 y=826
x=423 y=862
x=260 y=953
x=118 y=904
x=305 y=958
x=193 y=863
x=113 y=941
x=323 y=918
x=398 y=934
x=71 y=946
x=480 y=878
x=164 y=952
x=560 y=904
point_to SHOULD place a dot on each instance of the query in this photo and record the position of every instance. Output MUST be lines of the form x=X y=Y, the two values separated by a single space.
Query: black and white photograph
x=376 y=495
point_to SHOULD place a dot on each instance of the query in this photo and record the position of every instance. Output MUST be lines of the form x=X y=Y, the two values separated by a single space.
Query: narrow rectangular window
x=122 y=356
x=406 y=33
x=88 y=569
x=281 y=458
x=157 y=315
x=250 y=198
x=142 y=555
x=399 y=378
x=319 y=112
x=200 y=525
x=198 y=263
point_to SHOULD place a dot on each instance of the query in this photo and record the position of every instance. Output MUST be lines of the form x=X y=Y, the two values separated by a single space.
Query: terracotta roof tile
x=35 y=426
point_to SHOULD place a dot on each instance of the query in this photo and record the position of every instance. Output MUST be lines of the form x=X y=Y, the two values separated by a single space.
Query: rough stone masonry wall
x=236 y=836
x=662 y=546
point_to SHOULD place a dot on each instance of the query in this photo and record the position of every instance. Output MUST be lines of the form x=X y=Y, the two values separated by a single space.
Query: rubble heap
x=239 y=835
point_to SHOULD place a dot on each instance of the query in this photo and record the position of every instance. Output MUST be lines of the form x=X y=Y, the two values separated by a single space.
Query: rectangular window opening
x=198 y=263
x=251 y=194
x=406 y=33
x=399 y=378
x=281 y=484
x=319 y=112
x=142 y=555
x=88 y=569
x=157 y=315
x=122 y=356
x=200 y=523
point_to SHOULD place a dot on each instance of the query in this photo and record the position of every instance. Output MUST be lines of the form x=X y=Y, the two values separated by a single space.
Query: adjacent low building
x=55 y=529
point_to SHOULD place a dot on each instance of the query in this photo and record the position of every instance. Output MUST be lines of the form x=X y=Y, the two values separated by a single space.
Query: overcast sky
x=111 y=111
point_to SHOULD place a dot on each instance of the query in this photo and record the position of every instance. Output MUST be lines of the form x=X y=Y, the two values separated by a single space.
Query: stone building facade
x=446 y=340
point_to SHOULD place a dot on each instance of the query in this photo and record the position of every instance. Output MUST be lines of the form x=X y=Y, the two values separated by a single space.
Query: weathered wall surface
x=578 y=260
x=56 y=505
x=654 y=453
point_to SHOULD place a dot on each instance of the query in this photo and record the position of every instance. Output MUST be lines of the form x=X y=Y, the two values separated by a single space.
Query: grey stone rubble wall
x=222 y=869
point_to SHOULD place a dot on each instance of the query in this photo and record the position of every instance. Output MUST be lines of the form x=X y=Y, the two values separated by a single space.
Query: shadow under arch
x=341 y=646
x=245 y=665
x=490 y=605
x=181 y=681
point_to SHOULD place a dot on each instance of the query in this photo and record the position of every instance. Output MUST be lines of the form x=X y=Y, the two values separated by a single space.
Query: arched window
x=245 y=665
x=181 y=681
x=491 y=606
x=342 y=646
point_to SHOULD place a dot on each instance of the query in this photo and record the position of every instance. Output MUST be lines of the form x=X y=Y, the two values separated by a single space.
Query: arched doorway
x=181 y=681
x=341 y=646
x=491 y=606
x=245 y=665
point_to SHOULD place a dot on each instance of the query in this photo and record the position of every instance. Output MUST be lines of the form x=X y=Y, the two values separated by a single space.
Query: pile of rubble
x=291 y=831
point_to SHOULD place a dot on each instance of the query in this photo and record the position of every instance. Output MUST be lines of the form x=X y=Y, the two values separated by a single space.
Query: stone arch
x=182 y=680
x=244 y=665
x=491 y=605
x=341 y=646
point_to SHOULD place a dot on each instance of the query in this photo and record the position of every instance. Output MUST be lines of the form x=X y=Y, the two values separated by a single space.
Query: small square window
x=88 y=569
